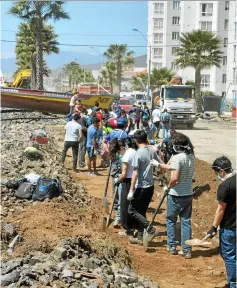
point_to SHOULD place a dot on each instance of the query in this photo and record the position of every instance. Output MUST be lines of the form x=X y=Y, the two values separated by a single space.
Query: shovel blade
x=197 y=242
x=145 y=240
x=104 y=223
x=105 y=204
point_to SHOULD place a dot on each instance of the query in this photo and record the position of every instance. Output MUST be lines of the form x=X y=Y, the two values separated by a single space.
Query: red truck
x=126 y=103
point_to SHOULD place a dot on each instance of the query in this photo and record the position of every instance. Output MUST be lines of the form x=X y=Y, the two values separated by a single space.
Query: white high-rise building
x=167 y=19
x=231 y=79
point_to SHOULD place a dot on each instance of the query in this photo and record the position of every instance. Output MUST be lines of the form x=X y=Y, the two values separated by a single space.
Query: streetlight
x=149 y=67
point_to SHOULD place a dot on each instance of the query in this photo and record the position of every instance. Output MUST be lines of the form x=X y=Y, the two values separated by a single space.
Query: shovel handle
x=107 y=181
x=158 y=208
x=206 y=237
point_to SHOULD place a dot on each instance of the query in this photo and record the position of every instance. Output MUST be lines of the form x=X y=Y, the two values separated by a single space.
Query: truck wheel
x=190 y=125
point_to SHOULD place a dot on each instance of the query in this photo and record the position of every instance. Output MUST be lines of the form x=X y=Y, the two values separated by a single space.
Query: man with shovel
x=142 y=187
x=225 y=217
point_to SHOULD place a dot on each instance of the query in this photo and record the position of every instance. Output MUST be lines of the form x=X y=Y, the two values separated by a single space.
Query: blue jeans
x=165 y=130
x=228 y=253
x=182 y=207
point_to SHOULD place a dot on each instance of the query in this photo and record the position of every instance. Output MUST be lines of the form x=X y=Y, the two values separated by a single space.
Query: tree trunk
x=111 y=85
x=70 y=81
x=119 y=76
x=39 y=55
x=33 y=71
x=198 y=96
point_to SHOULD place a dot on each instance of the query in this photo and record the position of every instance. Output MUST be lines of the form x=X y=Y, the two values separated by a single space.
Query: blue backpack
x=46 y=188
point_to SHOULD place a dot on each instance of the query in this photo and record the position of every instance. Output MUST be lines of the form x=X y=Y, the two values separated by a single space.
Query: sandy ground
x=213 y=139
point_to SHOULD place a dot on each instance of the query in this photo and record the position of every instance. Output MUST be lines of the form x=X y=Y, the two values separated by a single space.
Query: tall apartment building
x=167 y=19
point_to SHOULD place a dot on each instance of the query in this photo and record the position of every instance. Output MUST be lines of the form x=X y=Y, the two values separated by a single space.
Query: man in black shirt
x=225 y=217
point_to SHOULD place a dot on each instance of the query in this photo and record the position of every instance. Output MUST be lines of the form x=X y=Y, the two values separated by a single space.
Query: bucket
x=233 y=112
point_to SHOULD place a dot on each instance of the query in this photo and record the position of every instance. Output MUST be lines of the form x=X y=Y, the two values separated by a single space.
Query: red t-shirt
x=99 y=116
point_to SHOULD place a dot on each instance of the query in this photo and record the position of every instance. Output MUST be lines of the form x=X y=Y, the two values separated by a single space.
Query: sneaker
x=117 y=223
x=136 y=241
x=90 y=174
x=172 y=251
x=186 y=255
x=225 y=286
x=152 y=234
x=95 y=173
x=123 y=233
x=82 y=165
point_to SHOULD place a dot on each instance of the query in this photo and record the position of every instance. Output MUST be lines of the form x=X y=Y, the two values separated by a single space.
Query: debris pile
x=74 y=263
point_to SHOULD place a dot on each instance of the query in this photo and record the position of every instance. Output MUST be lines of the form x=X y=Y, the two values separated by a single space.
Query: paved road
x=213 y=139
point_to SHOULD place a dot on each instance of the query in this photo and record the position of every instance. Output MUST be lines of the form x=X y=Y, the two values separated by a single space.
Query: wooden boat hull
x=46 y=101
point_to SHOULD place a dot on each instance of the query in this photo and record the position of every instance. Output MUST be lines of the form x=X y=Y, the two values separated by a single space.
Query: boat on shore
x=48 y=101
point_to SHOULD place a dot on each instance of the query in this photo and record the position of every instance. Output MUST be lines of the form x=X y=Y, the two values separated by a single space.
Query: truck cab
x=180 y=103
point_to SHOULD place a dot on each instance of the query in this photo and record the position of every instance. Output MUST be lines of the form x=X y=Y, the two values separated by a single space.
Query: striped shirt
x=185 y=164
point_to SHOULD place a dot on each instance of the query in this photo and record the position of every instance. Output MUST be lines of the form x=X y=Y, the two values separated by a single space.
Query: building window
x=234 y=53
x=176 y=20
x=235 y=30
x=175 y=35
x=158 y=23
x=234 y=96
x=176 y=5
x=158 y=52
x=223 y=94
x=158 y=38
x=205 y=81
x=226 y=25
x=225 y=42
x=206 y=9
x=224 y=60
x=174 y=50
x=234 y=76
x=157 y=65
x=227 y=5
x=206 y=25
x=173 y=66
x=159 y=8
x=223 y=78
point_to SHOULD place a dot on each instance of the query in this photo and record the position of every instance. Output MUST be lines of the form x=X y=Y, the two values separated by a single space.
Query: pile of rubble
x=74 y=264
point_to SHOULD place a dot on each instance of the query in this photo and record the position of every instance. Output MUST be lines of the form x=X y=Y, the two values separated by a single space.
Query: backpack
x=46 y=188
x=166 y=119
x=25 y=190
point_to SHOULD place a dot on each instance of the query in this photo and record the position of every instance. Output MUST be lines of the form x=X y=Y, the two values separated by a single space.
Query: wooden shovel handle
x=206 y=237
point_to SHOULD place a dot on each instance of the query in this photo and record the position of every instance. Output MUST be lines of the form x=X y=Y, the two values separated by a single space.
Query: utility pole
x=101 y=65
x=149 y=69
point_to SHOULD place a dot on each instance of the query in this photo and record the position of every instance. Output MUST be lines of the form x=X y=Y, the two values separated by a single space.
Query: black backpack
x=25 y=190
x=46 y=188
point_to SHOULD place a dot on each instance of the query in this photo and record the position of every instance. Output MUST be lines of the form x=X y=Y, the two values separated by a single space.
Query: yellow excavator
x=20 y=79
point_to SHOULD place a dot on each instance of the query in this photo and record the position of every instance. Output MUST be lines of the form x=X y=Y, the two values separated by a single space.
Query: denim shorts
x=90 y=151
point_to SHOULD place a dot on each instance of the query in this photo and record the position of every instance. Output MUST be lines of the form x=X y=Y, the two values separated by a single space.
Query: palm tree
x=160 y=77
x=74 y=72
x=37 y=13
x=109 y=75
x=122 y=58
x=199 y=49
x=26 y=48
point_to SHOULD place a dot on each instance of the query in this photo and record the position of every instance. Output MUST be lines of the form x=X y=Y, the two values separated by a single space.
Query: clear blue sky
x=108 y=18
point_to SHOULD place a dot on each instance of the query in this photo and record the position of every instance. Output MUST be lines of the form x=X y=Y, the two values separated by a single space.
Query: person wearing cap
x=138 y=114
x=150 y=129
x=225 y=217
x=166 y=123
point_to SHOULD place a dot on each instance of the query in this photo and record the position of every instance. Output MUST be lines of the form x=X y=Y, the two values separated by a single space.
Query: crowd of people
x=131 y=143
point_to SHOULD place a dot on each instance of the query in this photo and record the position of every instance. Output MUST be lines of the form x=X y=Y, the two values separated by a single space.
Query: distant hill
x=57 y=61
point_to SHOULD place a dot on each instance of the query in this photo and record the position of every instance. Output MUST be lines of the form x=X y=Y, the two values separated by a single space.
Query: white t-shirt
x=72 y=131
x=128 y=158
x=72 y=100
x=156 y=115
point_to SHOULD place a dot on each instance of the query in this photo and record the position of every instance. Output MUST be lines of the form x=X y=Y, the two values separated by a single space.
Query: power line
x=105 y=46
x=107 y=35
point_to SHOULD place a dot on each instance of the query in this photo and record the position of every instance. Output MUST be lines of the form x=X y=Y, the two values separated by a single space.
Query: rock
x=59 y=253
x=78 y=276
x=45 y=280
x=9 y=266
x=9 y=278
x=93 y=285
x=120 y=278
x=67 y=273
